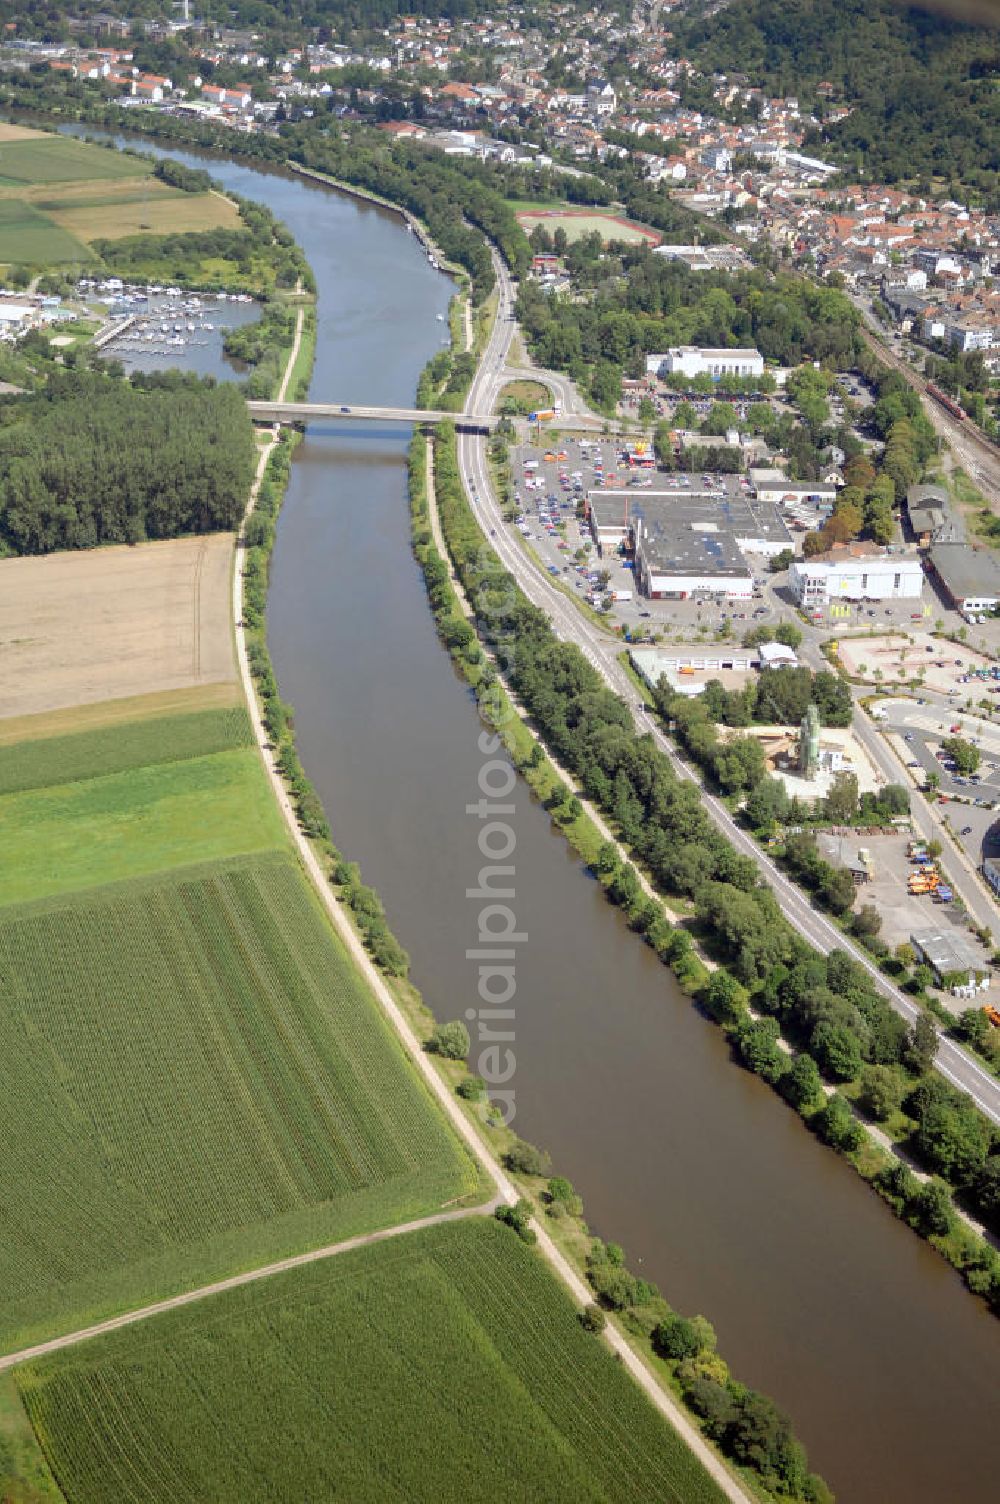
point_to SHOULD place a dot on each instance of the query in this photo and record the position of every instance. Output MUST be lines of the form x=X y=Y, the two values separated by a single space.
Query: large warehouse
x=688 y=543
x=969 y=577
x=856 y=572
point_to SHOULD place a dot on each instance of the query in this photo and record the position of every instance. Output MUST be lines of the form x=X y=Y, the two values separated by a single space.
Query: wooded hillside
x=922 y=88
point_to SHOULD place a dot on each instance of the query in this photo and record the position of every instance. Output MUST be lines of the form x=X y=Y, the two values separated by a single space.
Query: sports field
x=108 y=623
x=577 y=223
x=195 y=1081
x=445 y=1365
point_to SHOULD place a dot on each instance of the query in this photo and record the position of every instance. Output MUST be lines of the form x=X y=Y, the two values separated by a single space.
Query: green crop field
x=196 y=1080
x=446 y=1365
x=57 y=159
x=113 y=749
x=128 y=824
x=28 y=236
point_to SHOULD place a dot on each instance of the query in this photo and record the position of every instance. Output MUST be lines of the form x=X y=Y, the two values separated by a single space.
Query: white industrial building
x=774 y=486
x=689 y=360
x=855 y=574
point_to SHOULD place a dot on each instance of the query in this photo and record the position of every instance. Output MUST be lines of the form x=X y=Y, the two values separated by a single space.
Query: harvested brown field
x=131 y=213
x=104 y=624
x=9 y=132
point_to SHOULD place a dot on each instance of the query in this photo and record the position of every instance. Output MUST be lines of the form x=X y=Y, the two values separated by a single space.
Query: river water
x=888 y=1368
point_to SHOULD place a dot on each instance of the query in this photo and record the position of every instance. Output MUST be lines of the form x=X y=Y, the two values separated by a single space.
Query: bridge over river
x=306 y=412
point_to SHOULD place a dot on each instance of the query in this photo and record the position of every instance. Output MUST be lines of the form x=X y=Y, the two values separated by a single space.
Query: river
x=888 y=1368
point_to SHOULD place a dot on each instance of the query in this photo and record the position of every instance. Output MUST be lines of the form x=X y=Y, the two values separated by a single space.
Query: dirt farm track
x=107 y=623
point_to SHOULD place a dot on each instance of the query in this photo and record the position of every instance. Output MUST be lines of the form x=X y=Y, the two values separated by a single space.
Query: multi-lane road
x=570 y=624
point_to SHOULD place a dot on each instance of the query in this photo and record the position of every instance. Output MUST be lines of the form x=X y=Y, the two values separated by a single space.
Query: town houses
x=586 y=88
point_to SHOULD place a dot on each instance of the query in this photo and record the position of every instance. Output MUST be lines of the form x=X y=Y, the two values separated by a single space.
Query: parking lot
x=549 y=485
x=916 y=732
x=937 y=664
x=903 y=913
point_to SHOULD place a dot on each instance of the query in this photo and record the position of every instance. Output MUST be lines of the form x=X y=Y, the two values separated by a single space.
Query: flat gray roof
x=949 y=950
x=966 y=571
x=690 y=532
x=731 y=512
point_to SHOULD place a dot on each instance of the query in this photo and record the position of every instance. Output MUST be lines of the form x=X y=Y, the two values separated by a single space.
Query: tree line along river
x=889 y=1369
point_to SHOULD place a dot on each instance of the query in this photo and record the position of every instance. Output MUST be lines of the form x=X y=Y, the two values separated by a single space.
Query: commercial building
x=969 y=577
x=691 y=361
x=688 y=670
x=991 y=872
x=687 y=543
x=856 y=572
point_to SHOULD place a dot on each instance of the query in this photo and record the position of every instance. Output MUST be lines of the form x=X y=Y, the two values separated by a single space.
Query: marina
x=154 y=328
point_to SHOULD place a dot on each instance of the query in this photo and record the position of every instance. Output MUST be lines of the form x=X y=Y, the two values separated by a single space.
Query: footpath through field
x=234 y=1282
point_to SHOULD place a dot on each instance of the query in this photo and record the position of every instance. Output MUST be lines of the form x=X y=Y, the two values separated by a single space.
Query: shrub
x=450 y=1040
x=524 y=1159
x=593 y=1319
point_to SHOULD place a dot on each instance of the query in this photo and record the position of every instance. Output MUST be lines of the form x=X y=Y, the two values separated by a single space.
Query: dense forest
x=922 y=88
x=91 y=459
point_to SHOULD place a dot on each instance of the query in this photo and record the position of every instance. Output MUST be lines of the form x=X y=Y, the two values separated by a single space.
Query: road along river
x=886 y=1365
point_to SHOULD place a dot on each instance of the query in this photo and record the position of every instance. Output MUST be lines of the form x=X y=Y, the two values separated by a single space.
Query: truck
x=621 y=595
x=543 y=415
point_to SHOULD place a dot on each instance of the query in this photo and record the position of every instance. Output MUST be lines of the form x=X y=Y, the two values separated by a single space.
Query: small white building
x=691 y=361
x=777 y=655
x=775 y=487
x=855 y=575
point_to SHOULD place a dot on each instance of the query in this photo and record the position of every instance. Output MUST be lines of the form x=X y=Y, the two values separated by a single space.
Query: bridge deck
x=293 y=412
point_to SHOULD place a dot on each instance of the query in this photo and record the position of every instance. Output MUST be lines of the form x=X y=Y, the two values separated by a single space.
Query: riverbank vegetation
x=259 y=257
x=780 y=1464
x=455 y=1345
x=90 y=459
x=767 y=981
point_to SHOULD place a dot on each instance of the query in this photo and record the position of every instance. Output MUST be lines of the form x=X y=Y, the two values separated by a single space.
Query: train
x=948 y=403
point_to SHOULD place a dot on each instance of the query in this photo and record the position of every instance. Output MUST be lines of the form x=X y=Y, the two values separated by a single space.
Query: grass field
x=57 y=195
x=76 y=835
x=195 y=1081
x=28 y=236
x=57 y=159
x=103 y=713
x=447 y=1365
x=578 y=223
x=166 y=213
x=25 y=1477
x=36 y=764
